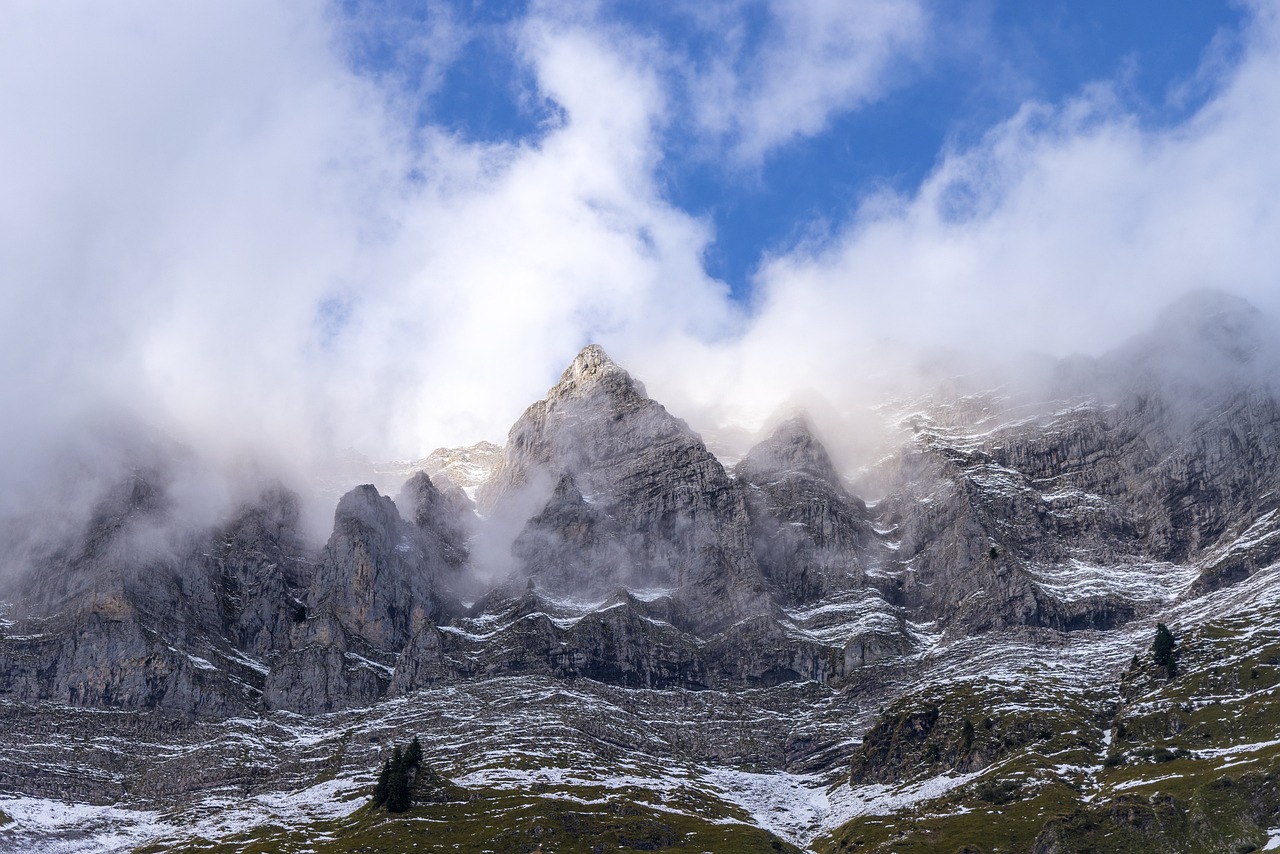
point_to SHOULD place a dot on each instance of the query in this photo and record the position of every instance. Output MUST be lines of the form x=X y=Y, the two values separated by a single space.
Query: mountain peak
x=590 y=369
x=1207 y=337
x=791 y=447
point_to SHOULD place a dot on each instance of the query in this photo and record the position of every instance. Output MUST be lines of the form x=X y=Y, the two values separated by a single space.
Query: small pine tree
x=413 y=754
x=393 y=786
x=398 y=785
x=383 y=786
x=1164 y=650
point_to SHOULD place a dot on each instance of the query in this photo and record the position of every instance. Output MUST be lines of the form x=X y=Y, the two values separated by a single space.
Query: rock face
x=1004 y=510
x=633 y=498
x=380 y=581
x=634 y=558
x=263 y=566
x=378 y=576
x=811 y=537
x=127 y=616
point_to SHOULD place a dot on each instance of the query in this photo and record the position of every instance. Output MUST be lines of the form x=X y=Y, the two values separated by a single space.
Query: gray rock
x=811 y=537
x=132 y=613
x=380 y=582
x=635 y=499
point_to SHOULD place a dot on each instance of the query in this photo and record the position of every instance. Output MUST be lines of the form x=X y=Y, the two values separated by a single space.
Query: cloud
x=1065 y=224
x=815 y=60
x=1063 y=229
x=213 y=222
x=216 y=224
x=543 y=246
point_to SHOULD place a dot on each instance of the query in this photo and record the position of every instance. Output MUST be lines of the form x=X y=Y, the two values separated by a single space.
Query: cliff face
x=636 y=558
x=1008 y=510
x=635 y=499
x=128 y=615
x=1015 y=538
x=810 y=536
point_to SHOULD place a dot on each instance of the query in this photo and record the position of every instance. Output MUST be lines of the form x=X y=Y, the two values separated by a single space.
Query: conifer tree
x=392 y=788
x=1164 y=650
x=413 y=754
x=383 y=786
x=398 y=785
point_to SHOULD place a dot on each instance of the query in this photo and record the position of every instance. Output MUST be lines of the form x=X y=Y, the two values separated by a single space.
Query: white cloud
x=556 y=243
x=1063 y=230
x=180 y=184
x=215 y=225
x=818 y=58
x=209 y=219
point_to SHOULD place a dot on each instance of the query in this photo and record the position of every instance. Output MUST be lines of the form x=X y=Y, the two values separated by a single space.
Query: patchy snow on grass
x=1236 y=750
x=791 y=806
x=1133 y=784
x=220 y=816
x=47 y=825
x=848 y=802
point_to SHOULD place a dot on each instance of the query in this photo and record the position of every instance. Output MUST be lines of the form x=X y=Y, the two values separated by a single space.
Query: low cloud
x=1063 y=230
x=215 y=224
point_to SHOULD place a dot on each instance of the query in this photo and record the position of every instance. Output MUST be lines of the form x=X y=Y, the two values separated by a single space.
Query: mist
x=220 y=230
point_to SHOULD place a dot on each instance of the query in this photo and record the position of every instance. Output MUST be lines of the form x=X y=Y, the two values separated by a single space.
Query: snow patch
x=792 y=806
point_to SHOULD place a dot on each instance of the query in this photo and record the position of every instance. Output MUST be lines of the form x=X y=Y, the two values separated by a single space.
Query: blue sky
x=977 y=65
x=391 y=225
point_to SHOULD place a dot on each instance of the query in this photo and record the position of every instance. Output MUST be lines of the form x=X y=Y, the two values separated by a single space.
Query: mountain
x=622 y=643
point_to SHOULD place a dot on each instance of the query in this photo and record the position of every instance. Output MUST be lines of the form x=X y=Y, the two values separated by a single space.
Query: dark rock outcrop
x=380 y=582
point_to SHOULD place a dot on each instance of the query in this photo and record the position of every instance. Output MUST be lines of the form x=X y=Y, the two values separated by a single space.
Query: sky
x=389 y=226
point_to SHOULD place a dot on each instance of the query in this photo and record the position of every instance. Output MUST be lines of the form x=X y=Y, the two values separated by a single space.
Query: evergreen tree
x=393 y=786
x=398 y=785
x=383 y=786
x=1164 y=650
x=413 y=754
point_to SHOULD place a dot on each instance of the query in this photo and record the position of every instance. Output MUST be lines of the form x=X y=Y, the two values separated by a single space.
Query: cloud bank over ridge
x=216 y=219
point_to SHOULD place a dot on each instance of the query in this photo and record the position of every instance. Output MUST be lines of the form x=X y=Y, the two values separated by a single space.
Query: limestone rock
x=811 y=537
x=380 y=582
x=624 y=493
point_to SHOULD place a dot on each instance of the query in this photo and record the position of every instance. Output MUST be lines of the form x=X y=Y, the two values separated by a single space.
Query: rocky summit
x=1053 y=626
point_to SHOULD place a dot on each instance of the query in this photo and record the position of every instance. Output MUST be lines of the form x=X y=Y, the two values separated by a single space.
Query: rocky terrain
x=605 y=638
